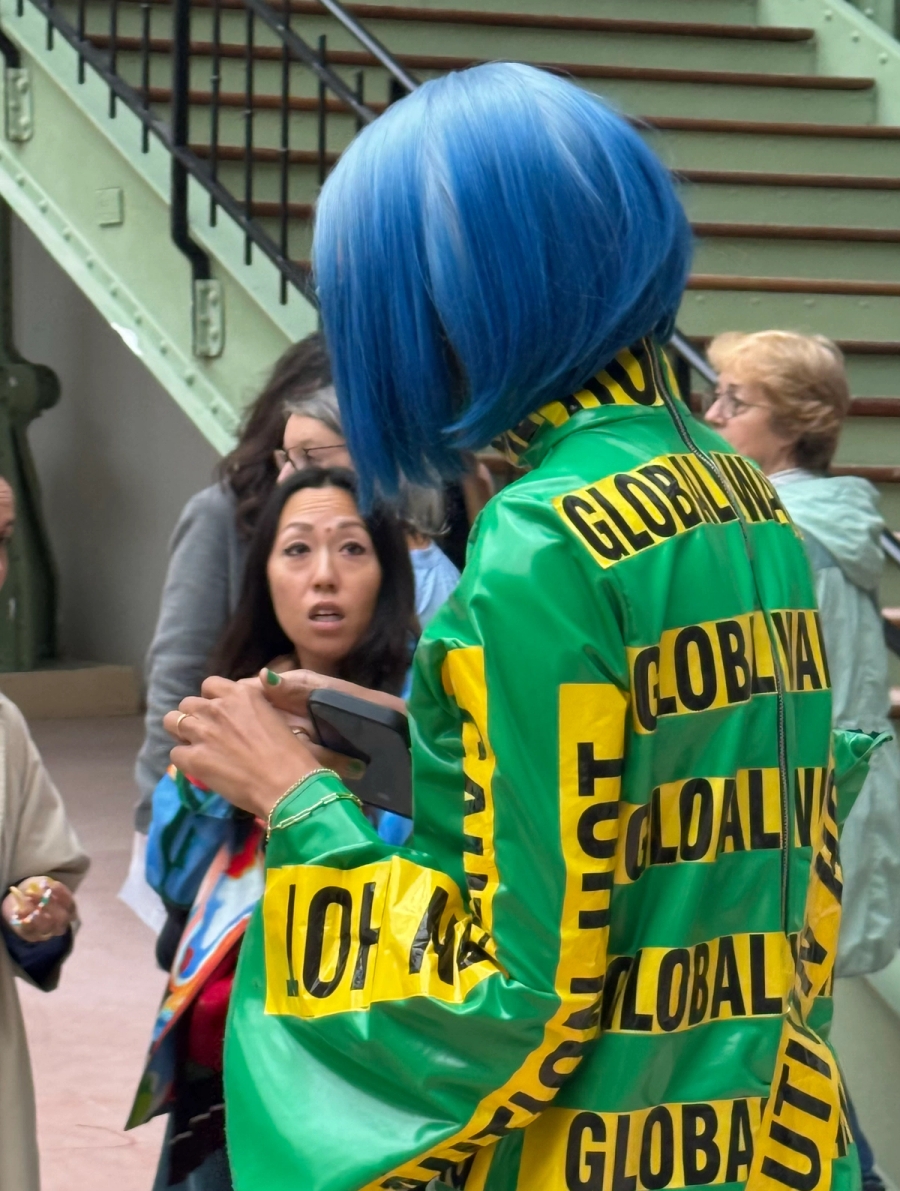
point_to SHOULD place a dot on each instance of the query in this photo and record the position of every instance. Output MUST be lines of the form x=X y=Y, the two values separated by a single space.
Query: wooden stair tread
x=850 y=347
x=860 y=407
x=440 y=62
x=726 y=178
x=875 y=407
x=264 y=156
x=528 y=20
x=462 y=16
x=794 y=285
x=769 y=127
x=237 y=99
x=777 y=231
x=875 y=473
x=760 y=178
x=272 y=210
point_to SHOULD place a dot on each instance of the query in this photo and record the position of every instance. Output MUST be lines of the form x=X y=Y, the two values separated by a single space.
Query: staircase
x=781 y=119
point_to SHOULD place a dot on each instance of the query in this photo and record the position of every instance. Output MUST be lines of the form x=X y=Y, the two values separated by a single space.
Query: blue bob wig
x=485 y=246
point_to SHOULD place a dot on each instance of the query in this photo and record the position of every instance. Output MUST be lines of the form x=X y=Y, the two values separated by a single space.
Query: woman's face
x=742 y=414
x=307 y=442
x=324 y=576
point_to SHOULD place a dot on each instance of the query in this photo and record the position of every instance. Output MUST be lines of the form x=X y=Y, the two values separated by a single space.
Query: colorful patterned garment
x=605 y=961
x=202 y=973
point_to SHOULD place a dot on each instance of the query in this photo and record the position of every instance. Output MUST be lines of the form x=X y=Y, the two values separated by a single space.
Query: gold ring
x=183 y=716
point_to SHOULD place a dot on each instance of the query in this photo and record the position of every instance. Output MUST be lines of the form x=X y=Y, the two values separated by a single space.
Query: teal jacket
x=841 y=527
x=605 y=960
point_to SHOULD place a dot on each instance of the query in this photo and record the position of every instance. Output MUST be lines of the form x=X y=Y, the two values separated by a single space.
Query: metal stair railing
x=173 y=134
x=187 y=163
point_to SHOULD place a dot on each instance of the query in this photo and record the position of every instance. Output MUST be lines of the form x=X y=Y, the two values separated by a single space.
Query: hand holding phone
x=374 y=734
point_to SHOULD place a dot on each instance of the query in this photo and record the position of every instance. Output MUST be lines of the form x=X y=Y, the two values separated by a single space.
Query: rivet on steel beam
x=66 y=233
x=190 y=377
x=43 y=205
x=20 y=178
x=138 y=320
x=164 y=349
x=883 y=59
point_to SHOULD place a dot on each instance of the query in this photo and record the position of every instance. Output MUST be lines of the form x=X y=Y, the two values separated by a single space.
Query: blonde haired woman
x=781 y=400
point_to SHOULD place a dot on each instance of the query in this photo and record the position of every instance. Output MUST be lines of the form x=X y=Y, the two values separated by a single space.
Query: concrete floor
x=88 y=1038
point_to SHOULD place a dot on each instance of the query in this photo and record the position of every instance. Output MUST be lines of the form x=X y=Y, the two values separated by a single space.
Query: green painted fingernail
x=272 y=678
x=356 y=769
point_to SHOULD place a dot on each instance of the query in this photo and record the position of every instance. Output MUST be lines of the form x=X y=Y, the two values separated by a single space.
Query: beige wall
x=116 y=457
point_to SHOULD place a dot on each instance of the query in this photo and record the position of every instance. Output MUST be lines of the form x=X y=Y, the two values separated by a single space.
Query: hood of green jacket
x=841 y=512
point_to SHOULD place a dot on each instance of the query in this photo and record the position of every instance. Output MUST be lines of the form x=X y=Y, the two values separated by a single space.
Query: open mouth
x=326 y=614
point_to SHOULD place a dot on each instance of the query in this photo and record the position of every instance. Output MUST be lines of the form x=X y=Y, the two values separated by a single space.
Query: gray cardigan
x=203 y=581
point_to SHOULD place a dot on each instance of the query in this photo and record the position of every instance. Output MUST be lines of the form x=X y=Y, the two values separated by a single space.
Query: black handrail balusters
x=187 y=163
x=215 y=87
x=145 y=70
x=181 y=74
x=113 y=50
x=321 y=130
x=284 y=148
x=248 y=127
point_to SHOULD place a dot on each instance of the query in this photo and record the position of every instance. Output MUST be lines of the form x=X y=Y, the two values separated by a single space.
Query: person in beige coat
x=41 y=862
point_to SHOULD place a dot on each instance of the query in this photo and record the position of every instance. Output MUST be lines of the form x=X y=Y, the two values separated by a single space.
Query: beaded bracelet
x=291 y=789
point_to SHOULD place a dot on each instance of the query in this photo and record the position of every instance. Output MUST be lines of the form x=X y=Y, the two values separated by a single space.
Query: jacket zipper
x=783 y=777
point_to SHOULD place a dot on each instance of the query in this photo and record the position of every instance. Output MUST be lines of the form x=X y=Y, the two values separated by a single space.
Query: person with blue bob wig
x=578 y=972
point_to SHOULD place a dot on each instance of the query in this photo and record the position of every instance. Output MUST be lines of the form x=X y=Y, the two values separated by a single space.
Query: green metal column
x=28 y=598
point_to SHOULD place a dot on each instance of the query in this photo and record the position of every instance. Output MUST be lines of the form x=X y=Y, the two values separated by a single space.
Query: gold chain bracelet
x=336 y=796
x=292 y=789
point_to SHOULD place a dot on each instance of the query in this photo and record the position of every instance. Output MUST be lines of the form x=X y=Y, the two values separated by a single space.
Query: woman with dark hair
x=304 y=553
x=327 y=589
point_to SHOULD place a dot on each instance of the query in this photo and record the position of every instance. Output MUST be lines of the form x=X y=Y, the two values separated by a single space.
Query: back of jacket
x=604 y=961
x=723 y=797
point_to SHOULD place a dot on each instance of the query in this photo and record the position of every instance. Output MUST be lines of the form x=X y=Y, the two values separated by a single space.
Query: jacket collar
x=639 y=377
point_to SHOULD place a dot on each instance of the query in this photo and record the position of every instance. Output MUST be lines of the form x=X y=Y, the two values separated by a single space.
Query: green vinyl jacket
x=605 y=961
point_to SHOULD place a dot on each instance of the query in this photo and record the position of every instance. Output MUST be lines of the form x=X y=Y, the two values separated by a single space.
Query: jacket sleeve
x=193 y=612
x=44 y=841
x=398 y=1010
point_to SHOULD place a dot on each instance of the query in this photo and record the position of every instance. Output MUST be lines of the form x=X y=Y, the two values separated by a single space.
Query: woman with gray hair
x=313 y=437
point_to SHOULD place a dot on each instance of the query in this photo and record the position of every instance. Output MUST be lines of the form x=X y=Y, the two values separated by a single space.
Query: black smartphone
x=371 y=733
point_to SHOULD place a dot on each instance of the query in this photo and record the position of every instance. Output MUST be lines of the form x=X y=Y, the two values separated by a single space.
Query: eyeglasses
x=300 y=457
x=730 y=404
